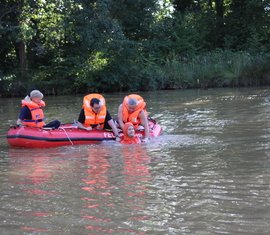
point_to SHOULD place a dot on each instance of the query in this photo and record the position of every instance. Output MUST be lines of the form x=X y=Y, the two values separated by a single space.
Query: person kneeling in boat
x=31 y=113
x=130 y=137
x=133 y=110
x=94 y=115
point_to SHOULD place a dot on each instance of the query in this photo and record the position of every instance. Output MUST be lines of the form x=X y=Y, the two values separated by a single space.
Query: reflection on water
x=103 y=182
x=207 y=174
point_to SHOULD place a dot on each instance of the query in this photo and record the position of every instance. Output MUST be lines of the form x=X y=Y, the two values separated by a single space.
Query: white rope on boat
x=61 y=128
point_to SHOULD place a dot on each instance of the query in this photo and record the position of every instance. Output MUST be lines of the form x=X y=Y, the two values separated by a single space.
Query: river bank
x=207 y=70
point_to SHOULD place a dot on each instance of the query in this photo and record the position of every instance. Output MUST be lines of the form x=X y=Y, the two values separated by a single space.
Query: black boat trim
x=57 y=139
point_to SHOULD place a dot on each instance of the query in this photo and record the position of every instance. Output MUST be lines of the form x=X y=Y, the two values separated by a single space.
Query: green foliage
x=247 y=24
x=67 y=46
x=215 y=69
x=134 y=16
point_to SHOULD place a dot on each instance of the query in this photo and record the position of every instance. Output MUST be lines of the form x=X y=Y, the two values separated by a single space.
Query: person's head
x=36 y=96
x=129 y=130
x=95 y=105
x=132 y=105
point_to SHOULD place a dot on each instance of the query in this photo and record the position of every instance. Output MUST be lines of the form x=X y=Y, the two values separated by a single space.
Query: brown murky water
x=208 y=173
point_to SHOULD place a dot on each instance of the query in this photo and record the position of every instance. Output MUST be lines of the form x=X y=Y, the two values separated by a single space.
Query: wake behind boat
x=66 y=134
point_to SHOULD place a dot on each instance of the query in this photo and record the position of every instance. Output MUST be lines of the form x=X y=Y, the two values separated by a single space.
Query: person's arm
x=81 y=120
x=114 y=129
x=111 y=123
x=81 y=126
x=25 y=113
x=120 y=117
x=145 y=124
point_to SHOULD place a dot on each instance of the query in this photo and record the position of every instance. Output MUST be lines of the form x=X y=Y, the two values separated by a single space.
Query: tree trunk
x=219 y=7
x=22 y=56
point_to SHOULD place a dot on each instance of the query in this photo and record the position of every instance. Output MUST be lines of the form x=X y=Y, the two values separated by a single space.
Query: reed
x=216 y=69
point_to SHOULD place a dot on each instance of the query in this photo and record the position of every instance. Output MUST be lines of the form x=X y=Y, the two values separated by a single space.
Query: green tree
x=134 y=16
x=247 y=24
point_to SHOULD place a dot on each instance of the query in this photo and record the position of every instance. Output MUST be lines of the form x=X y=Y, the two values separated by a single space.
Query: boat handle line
x=66 y=135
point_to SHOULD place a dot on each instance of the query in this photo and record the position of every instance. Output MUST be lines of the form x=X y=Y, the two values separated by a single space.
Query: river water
x=208 y=173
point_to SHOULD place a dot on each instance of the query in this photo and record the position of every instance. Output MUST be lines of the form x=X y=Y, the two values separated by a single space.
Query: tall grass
x=215 y=69
x=220 y=68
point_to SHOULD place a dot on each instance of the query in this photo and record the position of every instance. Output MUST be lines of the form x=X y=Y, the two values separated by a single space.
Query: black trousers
x=53 y=124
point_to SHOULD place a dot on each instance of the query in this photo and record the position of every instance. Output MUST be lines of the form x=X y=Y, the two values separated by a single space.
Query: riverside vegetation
x=70 y=47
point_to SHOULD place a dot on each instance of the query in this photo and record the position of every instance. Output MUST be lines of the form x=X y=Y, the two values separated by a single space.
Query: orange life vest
x=127 y=140
x=36 y=112
x=92 y=118
x=134 y=116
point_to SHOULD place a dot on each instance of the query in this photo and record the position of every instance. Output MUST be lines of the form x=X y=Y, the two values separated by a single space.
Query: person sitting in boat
x=94 y=115
x=31 y=113
x=133 y=109
x=130 y=137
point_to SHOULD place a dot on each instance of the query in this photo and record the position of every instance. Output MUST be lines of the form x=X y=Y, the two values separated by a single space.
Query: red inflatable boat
x=67 y=134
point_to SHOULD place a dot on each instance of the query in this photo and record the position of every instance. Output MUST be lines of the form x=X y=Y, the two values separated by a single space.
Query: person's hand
x=145 y=140
x=99 y=127
x=117 y=138
x=17 y=126
x=19 y=123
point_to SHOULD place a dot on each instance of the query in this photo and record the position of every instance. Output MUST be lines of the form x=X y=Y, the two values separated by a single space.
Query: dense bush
x=65 y=47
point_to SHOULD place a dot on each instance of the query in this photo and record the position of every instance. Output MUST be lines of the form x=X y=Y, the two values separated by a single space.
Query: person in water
x=133 y=109
x=130 y=137
x=94 y=115
x=31 y=113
